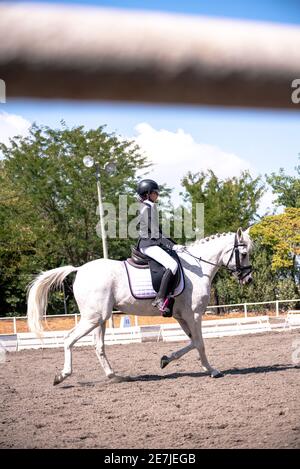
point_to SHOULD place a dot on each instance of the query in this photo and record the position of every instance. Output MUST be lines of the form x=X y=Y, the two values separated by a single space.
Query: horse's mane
x=211 y=237
x=218 y=235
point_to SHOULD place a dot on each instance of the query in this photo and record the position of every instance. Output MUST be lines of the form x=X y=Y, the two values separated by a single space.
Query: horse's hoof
x=164 y=361
x=216 y=374
x=58 y=379
x=116 y=379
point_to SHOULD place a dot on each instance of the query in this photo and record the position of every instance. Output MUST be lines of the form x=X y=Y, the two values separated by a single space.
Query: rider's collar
x=148 y=202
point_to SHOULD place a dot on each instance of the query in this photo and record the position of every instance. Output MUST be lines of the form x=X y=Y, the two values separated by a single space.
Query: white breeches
x=160 y=256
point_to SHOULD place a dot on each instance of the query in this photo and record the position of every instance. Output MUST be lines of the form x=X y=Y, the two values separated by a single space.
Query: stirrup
x=165 y=310
x=156 y=301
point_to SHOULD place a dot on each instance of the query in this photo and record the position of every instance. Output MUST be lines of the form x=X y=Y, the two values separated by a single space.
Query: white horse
x=102 y=285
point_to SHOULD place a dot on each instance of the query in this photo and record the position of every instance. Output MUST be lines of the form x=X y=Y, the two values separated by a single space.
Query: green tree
x=282 y=234
x=267 y=285
x=286 y=188
x=228 y=204
x=48 y=203
x=275 y=270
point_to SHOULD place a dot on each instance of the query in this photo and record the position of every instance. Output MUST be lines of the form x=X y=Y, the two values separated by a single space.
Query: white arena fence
x=279 y=307
x=164 y=332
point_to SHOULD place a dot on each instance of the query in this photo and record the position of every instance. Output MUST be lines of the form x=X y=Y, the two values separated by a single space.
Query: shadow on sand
x=151 y=377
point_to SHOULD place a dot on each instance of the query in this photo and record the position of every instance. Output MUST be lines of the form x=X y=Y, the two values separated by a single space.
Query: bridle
x=241 y=270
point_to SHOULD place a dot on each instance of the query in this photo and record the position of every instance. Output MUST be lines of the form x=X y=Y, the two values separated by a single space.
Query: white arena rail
x=293 y=318
x=8 y=342
x=123 y=335
x=171 y=333
x=278 y=319
x=218 y=328
x=51 y=339
x=27 y=340
x=227 y=327
x=150 y=333
x=165 y=332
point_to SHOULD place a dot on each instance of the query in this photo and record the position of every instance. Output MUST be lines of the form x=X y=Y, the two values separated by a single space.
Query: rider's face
x=153 y=196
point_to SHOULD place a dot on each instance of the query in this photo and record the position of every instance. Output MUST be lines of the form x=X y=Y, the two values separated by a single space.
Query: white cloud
x=266 y=203
x=12 y=125
x=266 y=206
x=175 y=153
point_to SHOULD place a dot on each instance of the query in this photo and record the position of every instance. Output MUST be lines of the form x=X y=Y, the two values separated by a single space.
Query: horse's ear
x=247 y=231
x=239 y=234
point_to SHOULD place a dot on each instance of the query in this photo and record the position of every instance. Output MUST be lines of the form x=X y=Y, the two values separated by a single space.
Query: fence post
x=245 y=309
x=277 y=308
x=15 y=325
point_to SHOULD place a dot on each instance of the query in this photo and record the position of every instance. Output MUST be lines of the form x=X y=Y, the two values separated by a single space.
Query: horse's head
x=236 y=257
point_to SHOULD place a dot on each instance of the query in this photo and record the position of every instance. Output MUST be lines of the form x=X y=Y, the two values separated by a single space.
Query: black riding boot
x=161 y=300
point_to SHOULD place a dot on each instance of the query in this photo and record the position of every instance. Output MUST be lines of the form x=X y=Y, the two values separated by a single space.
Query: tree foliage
x=48 y=214
x=231 y=203
x=267 y=285
x=228 y=204
x=48 y=200
x=286 y=188
x=274 y=258
x=282 y=234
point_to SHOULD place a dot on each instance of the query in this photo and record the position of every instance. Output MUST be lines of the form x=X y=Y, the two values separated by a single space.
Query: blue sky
x=262 y=141
x=282 y=11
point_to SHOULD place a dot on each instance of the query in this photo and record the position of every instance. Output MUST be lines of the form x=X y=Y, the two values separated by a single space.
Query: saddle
x=141 y=261
x=138 y=259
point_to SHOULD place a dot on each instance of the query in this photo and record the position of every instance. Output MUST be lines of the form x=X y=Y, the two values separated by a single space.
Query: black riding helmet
x=146 y=186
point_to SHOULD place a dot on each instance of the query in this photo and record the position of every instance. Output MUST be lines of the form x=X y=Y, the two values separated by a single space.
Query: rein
x=242 y=271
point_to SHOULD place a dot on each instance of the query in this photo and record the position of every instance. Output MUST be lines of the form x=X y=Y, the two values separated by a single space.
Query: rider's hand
x=177 y=247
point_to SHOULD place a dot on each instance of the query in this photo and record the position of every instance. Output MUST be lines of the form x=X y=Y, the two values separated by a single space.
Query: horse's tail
x=38 y=291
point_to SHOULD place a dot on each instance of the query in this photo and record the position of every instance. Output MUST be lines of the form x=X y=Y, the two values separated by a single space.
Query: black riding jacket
x=150 y=233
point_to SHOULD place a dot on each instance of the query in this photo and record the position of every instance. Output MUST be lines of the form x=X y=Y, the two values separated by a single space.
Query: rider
x=150 y=240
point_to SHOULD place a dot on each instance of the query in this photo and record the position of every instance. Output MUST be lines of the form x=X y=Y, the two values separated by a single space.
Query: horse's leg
x=100 y=350
x=69 y=333
x=194 y=322
x=165 y=360
x=84 y=327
